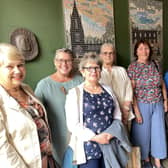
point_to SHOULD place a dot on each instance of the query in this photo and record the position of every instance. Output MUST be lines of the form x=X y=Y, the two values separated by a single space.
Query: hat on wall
x=26 y=42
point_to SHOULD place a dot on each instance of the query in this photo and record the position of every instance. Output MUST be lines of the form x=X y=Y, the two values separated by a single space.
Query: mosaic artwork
x=146 y=22
x=88 y=24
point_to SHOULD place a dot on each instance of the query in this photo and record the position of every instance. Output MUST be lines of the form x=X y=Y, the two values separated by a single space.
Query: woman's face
x=107 y=55
x=63 y=64
x=143 y=52
x=91 y=72
x=12 y=73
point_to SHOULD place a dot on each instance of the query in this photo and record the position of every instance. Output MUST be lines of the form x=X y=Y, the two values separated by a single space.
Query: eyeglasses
x=108 y=53
x=61 y=61
x=90 y=69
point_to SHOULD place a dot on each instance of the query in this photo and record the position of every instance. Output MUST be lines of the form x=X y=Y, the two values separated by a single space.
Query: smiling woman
x=149 y=104
x=92 y=114
x=24 y=131
x=52 y=92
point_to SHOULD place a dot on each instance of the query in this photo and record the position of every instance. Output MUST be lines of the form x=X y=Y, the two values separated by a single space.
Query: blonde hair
x=9 y=51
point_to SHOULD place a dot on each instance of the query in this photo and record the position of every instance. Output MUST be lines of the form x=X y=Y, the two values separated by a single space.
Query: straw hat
x=26 y=42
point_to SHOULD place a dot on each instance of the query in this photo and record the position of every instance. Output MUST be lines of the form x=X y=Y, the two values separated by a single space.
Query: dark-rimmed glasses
x=90 y=69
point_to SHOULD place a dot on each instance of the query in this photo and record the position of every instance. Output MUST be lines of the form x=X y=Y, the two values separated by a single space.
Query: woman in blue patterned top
x=95 y=111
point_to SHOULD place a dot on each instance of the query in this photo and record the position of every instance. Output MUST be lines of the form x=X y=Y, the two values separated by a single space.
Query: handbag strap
x=156 y=65
x=78 y=100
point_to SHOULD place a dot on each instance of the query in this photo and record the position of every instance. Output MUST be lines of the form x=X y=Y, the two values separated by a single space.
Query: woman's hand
x=125 y=115
x=165 y=105
x=125 y=111
x=102 y=138
x=138 y=116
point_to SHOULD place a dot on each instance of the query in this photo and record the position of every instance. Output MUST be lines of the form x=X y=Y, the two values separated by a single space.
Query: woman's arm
x=73 y=117
x=135 y=105
x=164 y=92
x=39 y=91
x=128 y=99
x=8 y=155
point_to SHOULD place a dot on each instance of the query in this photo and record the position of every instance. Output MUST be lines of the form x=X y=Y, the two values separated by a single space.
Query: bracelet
x=138 y=115
x=164 y=99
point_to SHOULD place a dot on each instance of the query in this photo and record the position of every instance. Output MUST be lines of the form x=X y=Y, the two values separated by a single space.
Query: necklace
x=93 y=89
x=63 y=90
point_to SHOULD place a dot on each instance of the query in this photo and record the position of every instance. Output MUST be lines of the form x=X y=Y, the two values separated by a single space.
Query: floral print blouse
x=147 y=81
x=42 y=127
x=98 y=115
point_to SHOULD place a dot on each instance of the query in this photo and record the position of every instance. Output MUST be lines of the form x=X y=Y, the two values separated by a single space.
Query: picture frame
x=88 y=24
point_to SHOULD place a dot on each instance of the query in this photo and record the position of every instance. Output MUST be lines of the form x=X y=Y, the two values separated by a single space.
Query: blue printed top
x=97 y=116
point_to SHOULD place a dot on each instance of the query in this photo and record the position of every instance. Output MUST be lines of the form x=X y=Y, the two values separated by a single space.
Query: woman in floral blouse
x=150 y=102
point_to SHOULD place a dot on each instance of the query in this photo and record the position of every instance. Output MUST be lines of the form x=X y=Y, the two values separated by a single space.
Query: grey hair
x=9 y=51
x=90 y=57
x=63 y=50
x=110 y=45
x=107 y=45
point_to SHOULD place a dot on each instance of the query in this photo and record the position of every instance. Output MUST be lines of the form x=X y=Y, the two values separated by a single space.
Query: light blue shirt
x=166 y=81
x=52 y=94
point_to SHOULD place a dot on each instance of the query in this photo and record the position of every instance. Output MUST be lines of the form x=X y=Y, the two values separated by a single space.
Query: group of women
x=81 y=121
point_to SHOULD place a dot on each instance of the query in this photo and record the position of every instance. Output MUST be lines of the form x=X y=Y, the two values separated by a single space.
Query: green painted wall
x=45 y=19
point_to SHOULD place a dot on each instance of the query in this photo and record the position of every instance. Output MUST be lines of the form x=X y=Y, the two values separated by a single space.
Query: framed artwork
x=146 y=22
x=88 y=24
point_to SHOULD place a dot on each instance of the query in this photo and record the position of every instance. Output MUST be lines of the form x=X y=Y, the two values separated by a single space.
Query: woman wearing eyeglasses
x=93 y=118
x=52 y=92
x=116 y=77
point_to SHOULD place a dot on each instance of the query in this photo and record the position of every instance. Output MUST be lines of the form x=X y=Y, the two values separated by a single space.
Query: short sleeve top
x=147 y=81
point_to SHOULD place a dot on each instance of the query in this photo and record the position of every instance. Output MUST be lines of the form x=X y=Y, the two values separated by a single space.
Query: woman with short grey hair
x=91 y=109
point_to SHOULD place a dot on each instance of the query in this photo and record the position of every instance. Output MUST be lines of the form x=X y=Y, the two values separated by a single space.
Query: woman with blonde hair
x=24 y=132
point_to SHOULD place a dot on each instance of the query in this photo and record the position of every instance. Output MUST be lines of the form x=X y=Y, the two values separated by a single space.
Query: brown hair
x=142 y=42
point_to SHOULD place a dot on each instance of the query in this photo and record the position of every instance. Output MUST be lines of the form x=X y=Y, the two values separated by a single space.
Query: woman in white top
x=24 y=131
x=116 y=77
